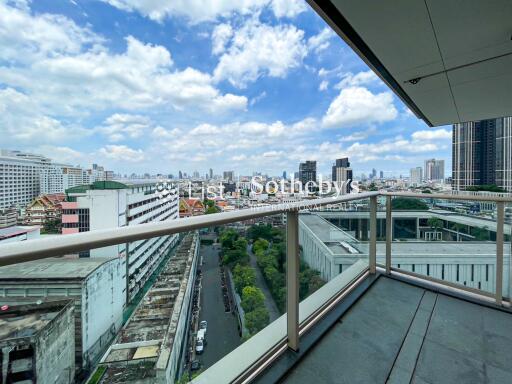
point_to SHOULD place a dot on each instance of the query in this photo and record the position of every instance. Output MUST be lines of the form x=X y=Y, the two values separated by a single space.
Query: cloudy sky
x=161 y=86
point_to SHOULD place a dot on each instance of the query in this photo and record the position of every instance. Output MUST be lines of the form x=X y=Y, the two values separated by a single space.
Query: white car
x=203 y=325
x=199 y=346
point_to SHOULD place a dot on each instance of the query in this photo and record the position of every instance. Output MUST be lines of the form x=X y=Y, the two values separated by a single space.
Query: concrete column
x=292 y=279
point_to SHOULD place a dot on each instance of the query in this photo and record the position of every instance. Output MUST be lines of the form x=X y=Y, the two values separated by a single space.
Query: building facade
x=342 y=173
x=110 y=204
x=434 y=170
x=37 y=343
x=44 y=209
x=307 y=172
x=482 y=154
x=416 y=176
x=20 y=177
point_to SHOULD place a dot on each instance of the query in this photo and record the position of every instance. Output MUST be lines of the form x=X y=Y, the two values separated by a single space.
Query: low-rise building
x=96 y=285
x=18 y=233
x=8 y=217
x=191 y=207
x=45 y=209
x=151 y=347
x=37 y=342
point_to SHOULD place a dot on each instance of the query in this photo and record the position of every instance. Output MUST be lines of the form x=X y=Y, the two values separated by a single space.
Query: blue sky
x=148 y=86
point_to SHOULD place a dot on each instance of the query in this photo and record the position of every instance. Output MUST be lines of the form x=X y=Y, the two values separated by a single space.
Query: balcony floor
x=400 y=333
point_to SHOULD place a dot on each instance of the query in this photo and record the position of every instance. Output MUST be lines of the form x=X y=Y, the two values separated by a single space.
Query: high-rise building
x=434 y=170
x=284 y=175
x=211 y=173
x=229 y=175
x=110 y=204
x=180 y=175
x=307 y=171
x=341 y=173
x=374 y=173
x=481 y=154
x=416 y=176
x=59 y=177
x=20 y=177
x=381 y=174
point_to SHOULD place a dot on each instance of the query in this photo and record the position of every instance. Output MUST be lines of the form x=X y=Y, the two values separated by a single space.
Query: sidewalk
x=262 y=284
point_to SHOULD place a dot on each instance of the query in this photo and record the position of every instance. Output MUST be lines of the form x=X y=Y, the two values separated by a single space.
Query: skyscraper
x=416 y=176
x=307 y=171
x=341 y=172
x=381 y=174
x=211 y=173
x=229 y=175
x=482 y=154
x=434 y=170
x=284 y=175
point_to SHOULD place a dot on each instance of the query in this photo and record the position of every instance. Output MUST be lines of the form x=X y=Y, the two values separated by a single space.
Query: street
x=222 y=334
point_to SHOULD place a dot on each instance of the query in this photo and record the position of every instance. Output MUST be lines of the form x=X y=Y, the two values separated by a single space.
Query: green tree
x=435 y=223
x=212 y=209
x=260 y=245
x=228 y=238
x=235 y=256
x=252 y=298
x=256 y=320
x=488 y=188
x=260 y=231
x=243 y=276
x=52 y=226
x=408 y=204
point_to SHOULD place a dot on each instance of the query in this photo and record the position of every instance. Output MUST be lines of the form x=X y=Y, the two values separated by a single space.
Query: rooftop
x=16 y=230
x=53 y=268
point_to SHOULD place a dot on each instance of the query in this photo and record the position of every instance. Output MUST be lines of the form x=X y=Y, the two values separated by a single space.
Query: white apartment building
x=59 y=177
x=20 y=177
x=108 y=204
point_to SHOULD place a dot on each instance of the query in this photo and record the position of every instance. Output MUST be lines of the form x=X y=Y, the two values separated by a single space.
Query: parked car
x=195 y=365
x=199 y=346
x=203 y=325
x=201 y=335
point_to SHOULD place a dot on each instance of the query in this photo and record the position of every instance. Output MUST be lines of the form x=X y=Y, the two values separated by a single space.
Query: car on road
x=201 y=335
x=199 y=346
x=203 y=325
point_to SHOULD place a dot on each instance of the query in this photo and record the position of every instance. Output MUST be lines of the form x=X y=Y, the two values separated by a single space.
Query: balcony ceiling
x=459 y=50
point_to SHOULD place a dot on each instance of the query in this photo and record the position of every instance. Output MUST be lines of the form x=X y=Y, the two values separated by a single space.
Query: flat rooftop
x=53 y=268
x=400 y=333
x=28 y=318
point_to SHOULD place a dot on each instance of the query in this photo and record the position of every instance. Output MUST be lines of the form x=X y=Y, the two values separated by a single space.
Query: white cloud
x=257 y=50
x=197 y=11
x=361 y=78
x=221 y=35
x=258 y=98
x=25 y=38
x=433 y=134
x=66 y=70
x=320 y=42
x=357 y=105
x=323 y=85
x=122 y=153
x=288 y=8
x=360 y=135
x=61 y=154
x=122 y=126
x=22 y=120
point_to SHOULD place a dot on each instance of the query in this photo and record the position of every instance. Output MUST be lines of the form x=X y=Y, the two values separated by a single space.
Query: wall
x=103 y=298
x=55 y=349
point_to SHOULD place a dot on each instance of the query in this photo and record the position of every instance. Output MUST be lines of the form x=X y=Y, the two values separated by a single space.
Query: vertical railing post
x=389 y=226
x=292 y=279
x=500 y=223
x=373 y=234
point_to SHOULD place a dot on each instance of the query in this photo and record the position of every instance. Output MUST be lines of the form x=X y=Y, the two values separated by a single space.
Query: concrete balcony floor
x=400 y=333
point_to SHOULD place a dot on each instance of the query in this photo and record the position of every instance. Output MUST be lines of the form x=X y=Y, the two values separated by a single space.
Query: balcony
x=376 y=320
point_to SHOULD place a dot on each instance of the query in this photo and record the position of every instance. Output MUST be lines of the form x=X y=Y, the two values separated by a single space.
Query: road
x=270 y=304
x=222 y=334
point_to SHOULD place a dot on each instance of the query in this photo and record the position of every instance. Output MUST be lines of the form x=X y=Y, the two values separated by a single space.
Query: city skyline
x=197 y=95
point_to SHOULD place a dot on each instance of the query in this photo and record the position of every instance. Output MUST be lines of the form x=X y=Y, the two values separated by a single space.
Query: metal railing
x=13 y=253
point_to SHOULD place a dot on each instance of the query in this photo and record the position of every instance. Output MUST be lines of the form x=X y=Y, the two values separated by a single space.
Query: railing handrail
x=20 y=252
x=444 y=196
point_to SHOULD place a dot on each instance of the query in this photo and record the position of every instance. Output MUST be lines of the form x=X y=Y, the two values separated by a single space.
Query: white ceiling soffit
x=449 y=60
